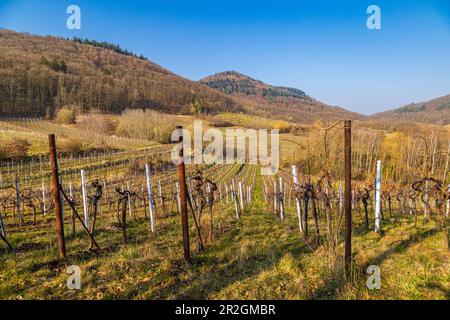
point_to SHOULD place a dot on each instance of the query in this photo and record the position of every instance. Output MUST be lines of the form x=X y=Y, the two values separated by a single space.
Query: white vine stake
x=44 y=203
x=378 y=198
x=297 y=201
x=150 y=197
x=241 y=196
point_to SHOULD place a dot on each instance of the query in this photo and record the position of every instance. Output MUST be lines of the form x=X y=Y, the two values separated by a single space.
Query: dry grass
x=258 y=257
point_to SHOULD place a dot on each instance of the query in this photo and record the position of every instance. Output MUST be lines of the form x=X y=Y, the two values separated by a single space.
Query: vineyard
x=143 y=227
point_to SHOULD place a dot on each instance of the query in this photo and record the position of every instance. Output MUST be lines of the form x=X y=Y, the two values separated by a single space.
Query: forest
x=39 y=75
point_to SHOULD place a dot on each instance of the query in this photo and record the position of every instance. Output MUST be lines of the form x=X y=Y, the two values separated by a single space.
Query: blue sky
x=322 y=47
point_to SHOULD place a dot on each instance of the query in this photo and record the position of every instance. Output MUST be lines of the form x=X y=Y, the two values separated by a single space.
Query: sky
x=322 y=47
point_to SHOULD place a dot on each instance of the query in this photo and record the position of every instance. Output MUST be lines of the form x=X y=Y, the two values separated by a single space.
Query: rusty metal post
x=183 y=199
x=57 y=196
x=348 y=194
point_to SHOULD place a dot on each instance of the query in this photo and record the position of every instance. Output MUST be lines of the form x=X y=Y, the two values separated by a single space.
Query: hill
x=266 y=100
x=435 y=111
x=39 y=74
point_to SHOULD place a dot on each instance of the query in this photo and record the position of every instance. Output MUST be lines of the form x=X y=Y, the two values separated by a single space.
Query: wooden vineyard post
x=183 y=199
x=281 y=199
x=57 y=196
x=150 y=197
x=348 y=194
x=299 y=206
x=378 y=198
x=85 y=204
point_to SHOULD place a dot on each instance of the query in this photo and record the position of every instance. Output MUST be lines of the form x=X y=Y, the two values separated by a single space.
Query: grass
x=257 y=257
x=36 y=131
x=250 y=121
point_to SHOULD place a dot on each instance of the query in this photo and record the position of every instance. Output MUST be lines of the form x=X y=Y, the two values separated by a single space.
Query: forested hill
x=434 y=111
x=38 y=75
x=274 y=101
x=230 y=82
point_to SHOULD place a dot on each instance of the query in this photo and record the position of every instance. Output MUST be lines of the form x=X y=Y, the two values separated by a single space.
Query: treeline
x=228 y=86
x=435 y=111
x=39 y=75
x=107 y=45
x=246 y=87
x=230 y=82
x=286 y=92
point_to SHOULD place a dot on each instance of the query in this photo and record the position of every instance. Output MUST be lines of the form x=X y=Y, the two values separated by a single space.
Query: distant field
x=36 y=132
